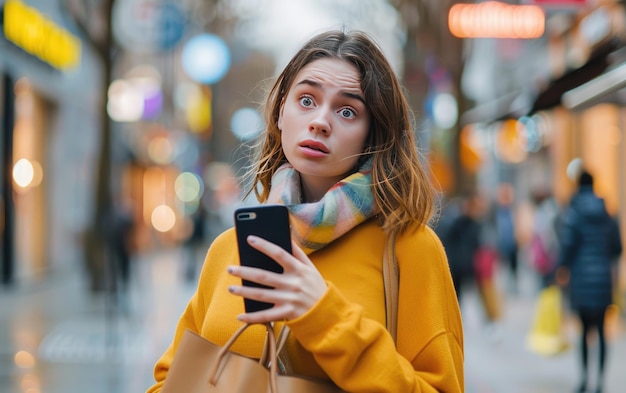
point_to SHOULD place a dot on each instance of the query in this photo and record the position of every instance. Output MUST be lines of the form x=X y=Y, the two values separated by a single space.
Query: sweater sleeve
x=359 y=355
x=430 y=328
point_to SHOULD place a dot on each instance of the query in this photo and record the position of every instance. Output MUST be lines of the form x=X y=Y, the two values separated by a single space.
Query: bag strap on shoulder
x=391 y=278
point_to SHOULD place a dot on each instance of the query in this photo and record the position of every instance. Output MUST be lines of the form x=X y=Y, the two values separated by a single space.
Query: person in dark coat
x=591 y=246
x=461 y=242
x=506 y=239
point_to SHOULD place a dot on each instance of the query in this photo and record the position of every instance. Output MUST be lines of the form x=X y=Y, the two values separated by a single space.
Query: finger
x=282 y=309
x=276 y=252
x=260 y=276
x=272 y=250
x=266 y=295
x=276 y=313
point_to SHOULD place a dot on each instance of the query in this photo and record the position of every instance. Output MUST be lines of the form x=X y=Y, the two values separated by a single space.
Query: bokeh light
x=246 y=123
x=125 y=102
x=23 y=172
x=24 y=359
x=509 y=145
x=188 y=187
x=195 y=102
x=471 y=151
x=206 y=58
x=163 y=218
x=496 y=19
x=198 y=110
x=445 y=110
x=136 y=97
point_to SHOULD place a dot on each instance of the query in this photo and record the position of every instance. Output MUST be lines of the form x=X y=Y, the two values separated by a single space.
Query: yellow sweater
x=344 y=337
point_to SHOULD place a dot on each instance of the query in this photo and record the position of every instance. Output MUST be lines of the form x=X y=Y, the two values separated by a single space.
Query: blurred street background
x=125 y=127
x=57 y=338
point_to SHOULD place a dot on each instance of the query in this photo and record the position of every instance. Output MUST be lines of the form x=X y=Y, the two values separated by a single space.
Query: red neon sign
x=492 y=19
x=558 y=3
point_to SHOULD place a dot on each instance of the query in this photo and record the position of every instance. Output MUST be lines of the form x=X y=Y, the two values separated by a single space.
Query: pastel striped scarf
x=344 y=206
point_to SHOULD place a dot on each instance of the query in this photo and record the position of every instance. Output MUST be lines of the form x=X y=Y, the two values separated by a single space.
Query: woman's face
x=324 y=123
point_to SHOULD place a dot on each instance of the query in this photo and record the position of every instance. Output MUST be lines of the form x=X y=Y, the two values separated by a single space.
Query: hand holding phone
x=270 y=222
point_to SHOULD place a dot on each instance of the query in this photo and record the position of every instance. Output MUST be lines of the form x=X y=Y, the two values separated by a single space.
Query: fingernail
x=229 y=269
x=251 y=239
x=231 y=289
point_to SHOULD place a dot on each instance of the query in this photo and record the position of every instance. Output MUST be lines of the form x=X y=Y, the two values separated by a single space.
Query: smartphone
x=270 y=222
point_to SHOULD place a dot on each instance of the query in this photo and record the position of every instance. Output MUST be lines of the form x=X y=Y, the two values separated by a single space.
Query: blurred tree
x=93 y=19
x=430 y=47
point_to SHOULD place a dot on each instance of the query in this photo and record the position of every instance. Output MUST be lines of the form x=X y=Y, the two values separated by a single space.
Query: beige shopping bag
x=200 y=366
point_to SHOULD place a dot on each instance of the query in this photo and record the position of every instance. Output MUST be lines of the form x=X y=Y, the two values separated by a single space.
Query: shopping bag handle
x=271 y=342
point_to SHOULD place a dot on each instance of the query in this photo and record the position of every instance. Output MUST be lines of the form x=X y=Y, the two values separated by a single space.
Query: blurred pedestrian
x=591 y=246
x=486 y=268
x=544 y=244
x=448 y=213
x=338 y=150
x=121 y=231
x=194 y=243
x=506 y=234
x=462 y=240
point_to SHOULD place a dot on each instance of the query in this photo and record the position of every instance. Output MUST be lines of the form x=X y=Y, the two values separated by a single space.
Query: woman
x=591 y=246
x=340 y=153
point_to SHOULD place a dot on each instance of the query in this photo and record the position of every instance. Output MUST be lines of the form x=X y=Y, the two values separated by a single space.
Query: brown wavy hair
x=401 y=186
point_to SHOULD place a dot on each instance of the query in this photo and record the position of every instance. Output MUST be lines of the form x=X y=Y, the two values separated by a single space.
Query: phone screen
x=270 y=222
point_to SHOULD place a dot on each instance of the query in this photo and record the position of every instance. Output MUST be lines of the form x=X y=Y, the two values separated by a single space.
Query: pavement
x=497 y=358
x=57 y=337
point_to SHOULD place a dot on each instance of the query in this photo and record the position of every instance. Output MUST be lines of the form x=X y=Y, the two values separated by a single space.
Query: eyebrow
x=343 y=93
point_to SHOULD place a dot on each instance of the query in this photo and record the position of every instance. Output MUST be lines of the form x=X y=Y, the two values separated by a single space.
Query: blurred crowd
x=572 y=250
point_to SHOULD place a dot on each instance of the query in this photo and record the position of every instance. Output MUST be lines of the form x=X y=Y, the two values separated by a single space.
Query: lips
x=314 y=145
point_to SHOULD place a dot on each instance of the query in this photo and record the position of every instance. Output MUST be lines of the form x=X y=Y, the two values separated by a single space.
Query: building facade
x=48 y=87
x=569 y=112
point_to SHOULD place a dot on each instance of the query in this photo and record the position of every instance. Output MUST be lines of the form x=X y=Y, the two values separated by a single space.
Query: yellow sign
x=39 y=36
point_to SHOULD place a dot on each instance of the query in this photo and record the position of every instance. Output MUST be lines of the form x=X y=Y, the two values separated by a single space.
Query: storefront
x=598 y=124
x=41 y=148
x=584 y=109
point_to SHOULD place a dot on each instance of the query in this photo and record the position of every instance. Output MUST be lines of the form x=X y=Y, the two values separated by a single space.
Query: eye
x=306 y=101
x=347 y=113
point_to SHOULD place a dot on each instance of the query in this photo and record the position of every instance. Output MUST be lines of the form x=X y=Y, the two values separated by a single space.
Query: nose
x=320 y=122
